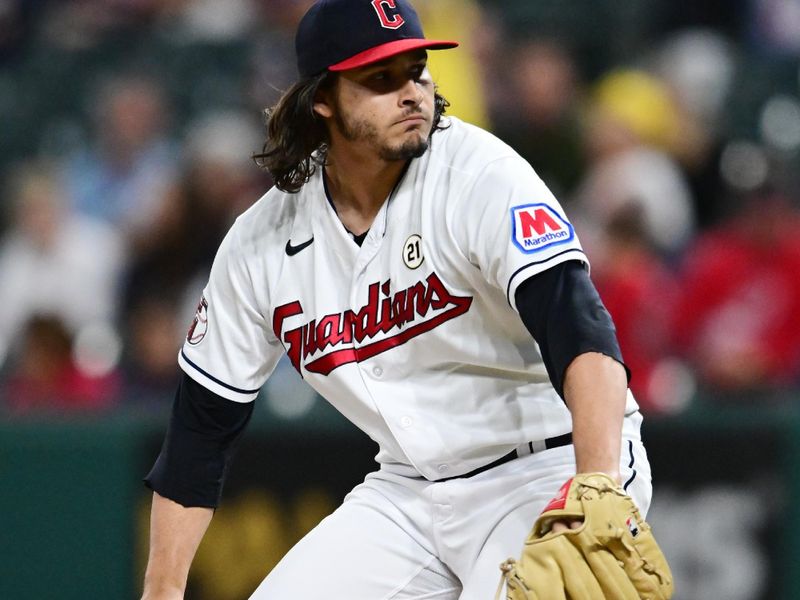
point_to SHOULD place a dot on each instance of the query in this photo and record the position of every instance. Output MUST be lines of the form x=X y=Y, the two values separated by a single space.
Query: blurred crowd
x=670 y=132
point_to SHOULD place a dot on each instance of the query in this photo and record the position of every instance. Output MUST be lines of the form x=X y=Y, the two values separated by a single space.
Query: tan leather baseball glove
x=612 y=555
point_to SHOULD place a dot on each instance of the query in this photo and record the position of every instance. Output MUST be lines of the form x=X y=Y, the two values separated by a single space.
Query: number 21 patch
x=535 y=227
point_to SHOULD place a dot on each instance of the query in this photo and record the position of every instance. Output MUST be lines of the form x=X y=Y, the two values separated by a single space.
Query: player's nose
x=410 y=93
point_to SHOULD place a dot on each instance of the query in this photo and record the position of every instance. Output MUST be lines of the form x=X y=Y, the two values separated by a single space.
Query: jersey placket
x=371 y=267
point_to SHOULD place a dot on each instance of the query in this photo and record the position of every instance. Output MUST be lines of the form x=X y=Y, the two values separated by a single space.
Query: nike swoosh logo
x=292 y=250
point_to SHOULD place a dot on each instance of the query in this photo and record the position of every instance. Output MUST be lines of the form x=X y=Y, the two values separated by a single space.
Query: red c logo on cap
x=395 y=22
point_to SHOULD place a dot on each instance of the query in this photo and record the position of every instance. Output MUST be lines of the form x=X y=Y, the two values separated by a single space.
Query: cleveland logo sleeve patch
x=199 y=326
x=535 y=227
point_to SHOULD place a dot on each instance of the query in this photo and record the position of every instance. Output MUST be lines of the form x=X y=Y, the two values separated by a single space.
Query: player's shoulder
x=475 y=158
x=268 y=221
x=472 y=151
x=463 y=145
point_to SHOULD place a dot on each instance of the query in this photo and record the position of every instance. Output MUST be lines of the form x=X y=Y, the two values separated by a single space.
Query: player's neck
x=358 y=188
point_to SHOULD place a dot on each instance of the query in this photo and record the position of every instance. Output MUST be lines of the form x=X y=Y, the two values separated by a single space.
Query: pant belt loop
x=531 y=448
x=524 y=450
x=538 y=446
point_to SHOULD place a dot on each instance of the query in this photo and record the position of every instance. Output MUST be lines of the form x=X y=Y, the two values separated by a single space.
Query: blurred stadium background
x=669 y=129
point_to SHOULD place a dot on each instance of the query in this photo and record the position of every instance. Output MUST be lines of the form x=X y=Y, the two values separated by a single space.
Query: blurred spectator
x=170 y=268
x=54 y=262
x=640 y=291
x=489 y=53
x=631 y=120
x=44 y=377
x=731 y=17
x=154 y=333
x=219 y=182
x=17 y=20
x=775 y=25
x=82 y=24
x=698 y=67
x=272 y=60
x=458 y=74
x=539 y=117
x=636 y=169
x=122 y=177
x=738 y=318
x=218 y=161
x=210 y=21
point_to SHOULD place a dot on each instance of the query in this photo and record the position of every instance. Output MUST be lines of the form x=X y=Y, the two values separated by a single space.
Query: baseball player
x=422 y=278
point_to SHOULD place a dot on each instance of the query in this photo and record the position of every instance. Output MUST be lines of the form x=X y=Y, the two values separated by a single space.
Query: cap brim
x=379 y=53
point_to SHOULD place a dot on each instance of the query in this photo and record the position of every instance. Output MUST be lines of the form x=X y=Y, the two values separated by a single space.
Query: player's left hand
x=590 y=542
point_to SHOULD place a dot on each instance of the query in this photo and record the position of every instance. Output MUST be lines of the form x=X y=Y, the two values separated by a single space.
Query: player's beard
x=354 y=129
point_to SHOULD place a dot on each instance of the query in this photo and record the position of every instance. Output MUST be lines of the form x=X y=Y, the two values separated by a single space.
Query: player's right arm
x=228 y=354
x=175 y=534
x=187 y=481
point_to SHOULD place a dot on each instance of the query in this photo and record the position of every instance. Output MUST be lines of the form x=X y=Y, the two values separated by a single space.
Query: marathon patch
x=535 y=227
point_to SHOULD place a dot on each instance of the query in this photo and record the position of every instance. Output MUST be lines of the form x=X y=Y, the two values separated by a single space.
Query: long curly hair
x=297 y=137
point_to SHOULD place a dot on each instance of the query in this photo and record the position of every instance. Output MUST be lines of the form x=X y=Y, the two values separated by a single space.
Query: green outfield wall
x=75 y=511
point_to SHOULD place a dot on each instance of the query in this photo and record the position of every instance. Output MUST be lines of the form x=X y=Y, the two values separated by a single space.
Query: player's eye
x=419 y=73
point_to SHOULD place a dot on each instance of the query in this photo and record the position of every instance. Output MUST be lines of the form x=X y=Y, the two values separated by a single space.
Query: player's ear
x=323 y=101
x=323 y=109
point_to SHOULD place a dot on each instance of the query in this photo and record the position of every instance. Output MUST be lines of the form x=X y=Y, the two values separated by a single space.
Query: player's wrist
x=597 y=461
x=162 y=586
x=612 y=473
x=156 y=591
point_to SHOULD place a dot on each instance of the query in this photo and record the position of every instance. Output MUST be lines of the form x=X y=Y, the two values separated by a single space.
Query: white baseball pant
x=398 y=538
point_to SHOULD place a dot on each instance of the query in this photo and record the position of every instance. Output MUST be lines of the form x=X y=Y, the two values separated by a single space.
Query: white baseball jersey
x=413 y=336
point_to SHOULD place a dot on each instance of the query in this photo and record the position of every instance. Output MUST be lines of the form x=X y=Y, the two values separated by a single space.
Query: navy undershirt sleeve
x=201 y=439
x=565 y=315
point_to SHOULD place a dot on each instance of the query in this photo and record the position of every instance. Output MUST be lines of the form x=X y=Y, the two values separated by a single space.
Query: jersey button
x=377 y=371
x=442 y=468
x=406 y=422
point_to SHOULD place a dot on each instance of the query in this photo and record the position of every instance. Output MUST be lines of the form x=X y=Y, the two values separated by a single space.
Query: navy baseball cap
x=346 y=34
